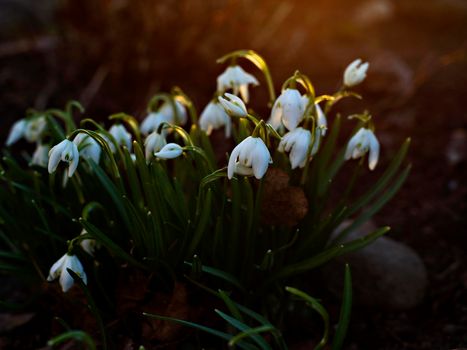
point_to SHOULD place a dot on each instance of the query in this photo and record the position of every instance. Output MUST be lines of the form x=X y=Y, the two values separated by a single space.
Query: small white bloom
x=65 y=151
x=153 y=143
x=355 y=73
x=233 y=105
x=16 y=132
x=59 y=269
x=40 y=156
x=121 y=135
x=249 y=157
x=297 y=142
x=179 y=116
x=88 y=147
x=288 y=110
x=169 y=151
x=89 y=245
x=321 y=122
x=235 y=78
x=35 y=128
x=363 y=141
x=152 y=122
x=213 y=117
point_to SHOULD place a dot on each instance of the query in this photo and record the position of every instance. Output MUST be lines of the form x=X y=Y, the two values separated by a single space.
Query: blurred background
x=112 y=55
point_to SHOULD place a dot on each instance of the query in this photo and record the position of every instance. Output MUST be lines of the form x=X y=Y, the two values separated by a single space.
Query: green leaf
x=201 y=224
x=315 y=305
x=243 y=327
x=92 y=306
x=227 y=277
x=80 y=336
x=346 y=309
x=332 y=252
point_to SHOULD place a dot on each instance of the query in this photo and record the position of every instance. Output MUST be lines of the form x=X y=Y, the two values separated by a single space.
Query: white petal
x=74 y=161
x=169 y=151
x=233 y=160
x=374 y=151
x=16 y=132
x=56 y=269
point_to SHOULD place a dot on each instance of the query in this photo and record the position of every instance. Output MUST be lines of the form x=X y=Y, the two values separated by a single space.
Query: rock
x=386 y=274
x=456 y=150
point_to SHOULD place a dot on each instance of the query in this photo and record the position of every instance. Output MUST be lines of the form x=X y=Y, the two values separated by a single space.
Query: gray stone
x=386 y=274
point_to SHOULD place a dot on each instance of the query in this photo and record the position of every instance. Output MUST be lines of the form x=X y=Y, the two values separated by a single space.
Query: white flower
x=233 y=105
x=213 y=117
x=65 y=151
x=355 y=73
x=121 y=135
x=297 y=142
x=178 y=116
x=88 y=147
x=34 y=128
x=235 y=78
x=288 y=110
x=169 y=151
x=89 y=245
x=363 y=141
x=59 y=269
x=16 y=132
x=152 y=122
x=321 y=122
x=153 y=143
x=40 y=156
x=249 y=157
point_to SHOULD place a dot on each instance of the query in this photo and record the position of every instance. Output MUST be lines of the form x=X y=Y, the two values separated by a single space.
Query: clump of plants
x=157 y=203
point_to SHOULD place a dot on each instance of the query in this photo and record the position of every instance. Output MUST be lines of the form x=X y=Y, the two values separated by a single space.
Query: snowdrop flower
x=288 y=110
x=355 y=73
x=89 y=245
x=121 y=135
x=363 y=141
x=153 y=143
x=169 y=151
x=235 y=78
x=59 y=269
x=179 y=116
x=34 y=128
x=297 y=142
x=249 y=157
x=40 y=156
x=213 y=117
x=152 y=122
x=321 y=122
x=16 y=132
x=88 y=147
x=233 y=105
x=65 y=151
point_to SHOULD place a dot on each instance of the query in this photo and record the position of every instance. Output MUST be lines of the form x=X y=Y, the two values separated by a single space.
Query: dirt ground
x=112 y=55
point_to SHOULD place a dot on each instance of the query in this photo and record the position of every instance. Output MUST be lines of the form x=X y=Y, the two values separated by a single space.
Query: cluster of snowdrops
x=157 y=196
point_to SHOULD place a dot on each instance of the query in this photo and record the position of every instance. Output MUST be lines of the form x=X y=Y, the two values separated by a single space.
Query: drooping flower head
x=65 y=151
x=363 y=141
x=169 y=151
x=17 y=131
x=213 y=117
x=355 y=73
x=233 y=105
x=297 y=142
x=88 y=147
x=249 y=157
x=35 y=127
x=121 y=135
x=177 y=115
x=288 y=110
x=40 y=156
x=89 y=245
x=153 y=143
x=235 y=78
x=59 y=269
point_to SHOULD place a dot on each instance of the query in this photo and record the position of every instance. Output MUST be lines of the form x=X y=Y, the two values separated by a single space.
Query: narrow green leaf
x=346 y=309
